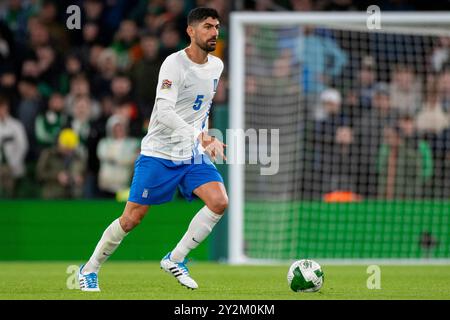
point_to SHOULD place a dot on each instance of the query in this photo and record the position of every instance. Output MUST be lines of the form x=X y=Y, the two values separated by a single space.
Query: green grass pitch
x=145 y=280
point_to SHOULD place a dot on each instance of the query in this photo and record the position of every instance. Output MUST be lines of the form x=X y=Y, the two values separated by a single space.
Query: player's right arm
x=170 y=80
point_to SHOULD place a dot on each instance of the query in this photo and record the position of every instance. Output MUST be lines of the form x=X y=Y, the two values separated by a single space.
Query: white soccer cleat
x=88 y=282
x=179 y=271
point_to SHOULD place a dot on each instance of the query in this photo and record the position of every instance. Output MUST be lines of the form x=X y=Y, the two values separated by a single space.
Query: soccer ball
x=305 y=276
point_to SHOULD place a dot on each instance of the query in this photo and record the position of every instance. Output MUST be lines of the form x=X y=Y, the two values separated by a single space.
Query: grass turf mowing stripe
x=145 y=280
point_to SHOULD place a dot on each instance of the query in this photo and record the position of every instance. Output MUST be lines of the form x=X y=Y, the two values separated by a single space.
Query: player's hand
x=63 y=178
x=213 y=147
x=78 y=179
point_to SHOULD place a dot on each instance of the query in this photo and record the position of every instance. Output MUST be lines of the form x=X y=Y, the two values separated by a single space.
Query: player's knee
x=129 y=222
x=219 y=204
x=131 y=218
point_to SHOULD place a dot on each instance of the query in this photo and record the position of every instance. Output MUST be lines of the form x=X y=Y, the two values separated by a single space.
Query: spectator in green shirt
x=405 y=162
x=49 y=123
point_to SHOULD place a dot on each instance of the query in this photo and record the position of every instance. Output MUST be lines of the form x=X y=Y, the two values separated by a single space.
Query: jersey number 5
x=198 y=102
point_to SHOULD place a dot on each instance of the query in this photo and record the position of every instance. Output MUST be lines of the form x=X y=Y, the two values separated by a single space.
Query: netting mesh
x=364 y=142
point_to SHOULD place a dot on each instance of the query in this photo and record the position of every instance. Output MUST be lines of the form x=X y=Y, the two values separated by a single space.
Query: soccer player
x=173 y=153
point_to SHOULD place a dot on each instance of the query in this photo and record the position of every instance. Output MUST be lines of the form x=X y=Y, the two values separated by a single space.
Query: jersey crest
x=166 y=84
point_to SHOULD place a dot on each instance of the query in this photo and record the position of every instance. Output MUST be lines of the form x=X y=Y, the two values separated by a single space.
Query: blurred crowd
x=370 y=117
x=74 y=104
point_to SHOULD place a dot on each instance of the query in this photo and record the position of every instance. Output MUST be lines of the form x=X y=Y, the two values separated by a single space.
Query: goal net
x=358 y=137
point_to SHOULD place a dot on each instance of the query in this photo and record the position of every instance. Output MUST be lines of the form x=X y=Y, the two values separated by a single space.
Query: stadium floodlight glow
x=264 y=224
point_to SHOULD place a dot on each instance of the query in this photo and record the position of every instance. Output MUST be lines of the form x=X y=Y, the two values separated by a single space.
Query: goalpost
x=348 y=188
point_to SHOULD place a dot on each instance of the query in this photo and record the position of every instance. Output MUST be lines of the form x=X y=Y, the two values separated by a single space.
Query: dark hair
x=121 y=75
x=201 y=13
x=4 y=101
x=30 y=80
x=148 y=34
x=405 y=116
x=79 y=77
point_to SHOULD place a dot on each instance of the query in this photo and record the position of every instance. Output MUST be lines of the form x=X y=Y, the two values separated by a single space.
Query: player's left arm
x=213 y=146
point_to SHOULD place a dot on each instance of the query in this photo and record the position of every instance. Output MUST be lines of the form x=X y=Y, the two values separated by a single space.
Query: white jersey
x=183 y=101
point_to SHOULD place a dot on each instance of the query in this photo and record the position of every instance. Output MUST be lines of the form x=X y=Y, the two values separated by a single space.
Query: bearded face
x=205 y=34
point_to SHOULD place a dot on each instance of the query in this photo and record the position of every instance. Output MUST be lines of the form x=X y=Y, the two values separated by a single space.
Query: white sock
x=199 y=228
x=108 y=243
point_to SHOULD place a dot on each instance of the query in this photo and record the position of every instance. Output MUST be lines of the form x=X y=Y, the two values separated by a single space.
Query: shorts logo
x=145 y=194
x=216 y=82
x=166 y=84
